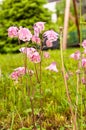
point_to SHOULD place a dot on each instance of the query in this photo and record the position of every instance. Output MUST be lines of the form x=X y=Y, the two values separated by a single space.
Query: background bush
x=20 y=13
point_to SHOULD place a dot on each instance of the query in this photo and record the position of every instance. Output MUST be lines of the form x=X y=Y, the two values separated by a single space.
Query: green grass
x=11 y=61
x=15 y=107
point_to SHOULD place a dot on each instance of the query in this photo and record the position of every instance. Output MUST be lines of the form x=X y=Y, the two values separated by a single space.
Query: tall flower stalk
x=65 y=81
x=77 y=96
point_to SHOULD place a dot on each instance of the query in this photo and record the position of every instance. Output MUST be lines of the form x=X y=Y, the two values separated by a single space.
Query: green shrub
x=20 y=13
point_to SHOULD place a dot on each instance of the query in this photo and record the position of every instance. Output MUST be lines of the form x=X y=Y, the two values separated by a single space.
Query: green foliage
x=14 y=98
x=72 y=30
x=20 y=13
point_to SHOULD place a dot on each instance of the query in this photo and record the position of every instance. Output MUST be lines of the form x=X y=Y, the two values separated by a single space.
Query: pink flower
x=18 y=72
x=36 y=39
x=84 y=62
x=52 y=67
x=51 y=35
x=35 y=57
x=84 y=44
x=13 y=31
x=32 y=54
x=14 y=75
x=24 y=49
x=76 y=55
x=38 y=27
x=24 y=34
x=46 y=55
x=49 y=43
x=84 y=81
x=27 y=51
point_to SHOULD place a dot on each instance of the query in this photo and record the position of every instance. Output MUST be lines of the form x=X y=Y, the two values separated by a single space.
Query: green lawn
x=15 y=105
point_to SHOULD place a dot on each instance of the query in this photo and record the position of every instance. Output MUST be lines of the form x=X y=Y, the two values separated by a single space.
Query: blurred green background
x=27 y=12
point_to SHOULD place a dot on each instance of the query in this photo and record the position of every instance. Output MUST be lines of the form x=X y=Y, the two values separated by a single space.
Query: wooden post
x=76 y=19
x=66 y=20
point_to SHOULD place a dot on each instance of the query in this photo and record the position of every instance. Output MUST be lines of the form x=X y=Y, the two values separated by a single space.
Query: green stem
x=81 y=126
x=40 y=88
x=77 y=93
x=40 y=108
x=33 y=116
x=66 y=85
x=25 y=62
x=36 y=73
x=12 y=121
x=31 y=95
x=81 y=113
x=19 y=117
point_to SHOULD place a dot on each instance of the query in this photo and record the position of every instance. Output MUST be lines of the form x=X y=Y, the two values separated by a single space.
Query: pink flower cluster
x=32 y=54
x=38 y=28
x=18 y=72
x=27 y=51
x=36 y=39
x=23 y=34
x=35 y=57
x=77 y=56
x=51 y=36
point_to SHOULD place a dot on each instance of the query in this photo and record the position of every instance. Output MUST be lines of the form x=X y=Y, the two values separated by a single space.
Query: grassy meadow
x=17 y=100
